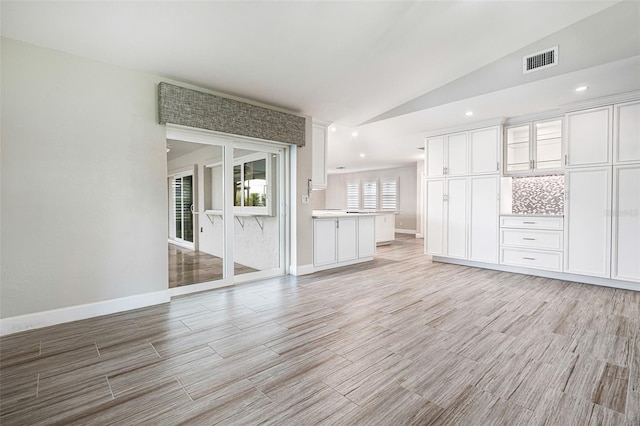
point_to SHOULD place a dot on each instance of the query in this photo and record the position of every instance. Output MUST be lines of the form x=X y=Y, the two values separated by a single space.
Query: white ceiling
x=343 y=62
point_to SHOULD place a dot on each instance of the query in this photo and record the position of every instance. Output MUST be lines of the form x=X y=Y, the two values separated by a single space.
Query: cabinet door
x=518 y=149
x=626 y=133
x=456 y=219
x=456 y=155
x=485 y=151
x=483 y=219
x=626 y=223
x=347 y=238
x=319 y=158
x=385 y=227
x=366 y=236
x=588 y=222
x=434 y=153
x=589 y=137
x=434 y=218
x=324 y=239
x=547 y=154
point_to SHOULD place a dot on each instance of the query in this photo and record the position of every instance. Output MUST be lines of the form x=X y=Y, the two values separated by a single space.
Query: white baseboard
x=405 y=231
x=74 y=313
x=301 y=270
x=542 y=273
x=419 y=235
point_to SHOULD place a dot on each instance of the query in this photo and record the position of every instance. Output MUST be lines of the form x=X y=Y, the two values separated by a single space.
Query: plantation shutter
x=353 y=195
x=370 y=195
x=389 y=194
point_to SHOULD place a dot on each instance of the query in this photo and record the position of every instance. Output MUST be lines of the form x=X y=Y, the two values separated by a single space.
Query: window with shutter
x=353 y=195
x=370 y=194
x=389 y=194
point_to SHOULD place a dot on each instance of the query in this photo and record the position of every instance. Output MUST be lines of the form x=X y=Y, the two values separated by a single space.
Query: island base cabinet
x=588 y=222
x=347 y=238
x=340 y=241
x=626 y=223
x=325 y=250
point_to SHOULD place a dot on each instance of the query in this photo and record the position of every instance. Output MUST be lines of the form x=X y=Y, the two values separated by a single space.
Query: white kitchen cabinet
x=446 y=217
x=446 y=155
x=456 y=154
x=434 y=157
x=588 y=222
x=626 y=223
x=319 y=156
x=532 y=242
x=483 y=218
x=366 y=236
x=626 y=133
x=534 y=148
x=484 y=151
x=342 y=240
x=456 y=218
x=347 y=238
x=325 y=237
x=385 y=227
x=588 y=137
x=434 y=217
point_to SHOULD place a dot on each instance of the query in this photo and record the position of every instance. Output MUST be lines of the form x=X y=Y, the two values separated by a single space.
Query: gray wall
x=336 y=193
x=83 y=181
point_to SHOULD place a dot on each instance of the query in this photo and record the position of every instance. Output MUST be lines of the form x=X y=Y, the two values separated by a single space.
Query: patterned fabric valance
x=186 y=107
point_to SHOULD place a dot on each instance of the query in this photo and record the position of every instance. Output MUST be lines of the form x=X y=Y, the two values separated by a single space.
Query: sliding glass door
x=227 y=209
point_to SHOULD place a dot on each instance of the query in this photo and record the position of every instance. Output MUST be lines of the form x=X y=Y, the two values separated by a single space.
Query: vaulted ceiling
x=391 y=71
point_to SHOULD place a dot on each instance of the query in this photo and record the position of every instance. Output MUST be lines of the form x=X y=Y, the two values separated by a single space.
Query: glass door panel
x=197 y=249
x=257 y=226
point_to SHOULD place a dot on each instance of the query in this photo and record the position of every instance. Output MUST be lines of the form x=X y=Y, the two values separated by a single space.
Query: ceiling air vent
x=539 y=60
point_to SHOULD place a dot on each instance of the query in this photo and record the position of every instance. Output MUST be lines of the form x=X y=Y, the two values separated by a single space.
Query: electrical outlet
x=305 y=199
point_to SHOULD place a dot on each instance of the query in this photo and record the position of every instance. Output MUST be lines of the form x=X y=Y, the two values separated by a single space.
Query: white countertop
x=532 y=214
x=342 y=213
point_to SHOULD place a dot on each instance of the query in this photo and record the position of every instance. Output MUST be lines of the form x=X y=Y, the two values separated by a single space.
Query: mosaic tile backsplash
x=538 y=195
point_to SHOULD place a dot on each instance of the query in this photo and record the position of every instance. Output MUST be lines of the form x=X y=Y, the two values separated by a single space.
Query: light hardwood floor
x=396 y=341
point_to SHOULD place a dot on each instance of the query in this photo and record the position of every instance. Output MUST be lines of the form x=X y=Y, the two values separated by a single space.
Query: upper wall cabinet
x=446 y=155
x=475 y=152
x=533 y=148
x=588 y=142
x=319 y=156
x=626 y=133
x=484 y=146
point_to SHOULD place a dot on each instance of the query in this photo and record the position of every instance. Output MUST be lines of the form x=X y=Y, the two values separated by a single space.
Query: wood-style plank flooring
x=397 y=341
x=192 y=267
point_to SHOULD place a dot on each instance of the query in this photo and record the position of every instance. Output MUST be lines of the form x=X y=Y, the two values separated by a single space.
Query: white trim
x=184 y=244
x=542 y=273
x=258 y=275
x=74 y=313
x=465 y=127
x=301 y=270
x=604 y=101
x=196 y=288
x=405 y=231
x=340 y=264
x=419 y=235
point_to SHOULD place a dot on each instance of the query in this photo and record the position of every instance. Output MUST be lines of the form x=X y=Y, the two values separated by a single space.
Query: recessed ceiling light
x=332 y=128
x=361 y=154
x=581 y=88
x=468 y=113
x=354 y=134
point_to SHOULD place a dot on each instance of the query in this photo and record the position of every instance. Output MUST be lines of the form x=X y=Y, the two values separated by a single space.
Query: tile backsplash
x=538 y=195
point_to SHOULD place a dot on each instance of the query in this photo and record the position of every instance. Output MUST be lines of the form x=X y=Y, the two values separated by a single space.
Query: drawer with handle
x=532 y=222
x=548 y=260
x=535 y=239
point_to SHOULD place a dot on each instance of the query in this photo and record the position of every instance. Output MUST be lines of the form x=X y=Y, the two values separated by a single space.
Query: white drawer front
x=535 y=239
x=550 y=261
x=531 y=222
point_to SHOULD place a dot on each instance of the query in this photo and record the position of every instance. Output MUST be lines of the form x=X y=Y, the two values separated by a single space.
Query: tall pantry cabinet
x=602 y=181
x=462 y=195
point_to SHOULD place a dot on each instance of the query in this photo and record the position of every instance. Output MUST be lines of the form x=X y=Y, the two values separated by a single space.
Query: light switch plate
x=305 y=199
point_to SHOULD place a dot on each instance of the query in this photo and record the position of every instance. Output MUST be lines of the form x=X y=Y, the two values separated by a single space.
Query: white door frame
x=172 y=225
